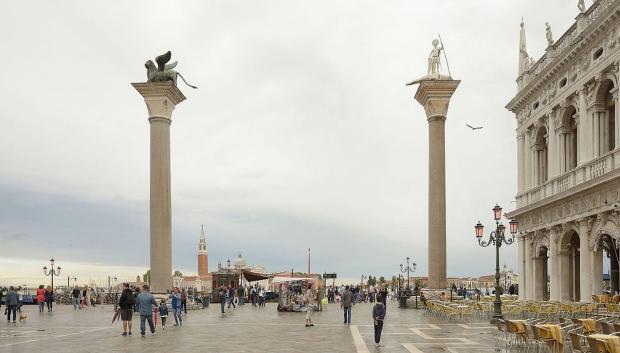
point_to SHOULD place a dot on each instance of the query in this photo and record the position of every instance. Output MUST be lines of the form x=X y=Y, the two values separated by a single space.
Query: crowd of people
x=139 y=300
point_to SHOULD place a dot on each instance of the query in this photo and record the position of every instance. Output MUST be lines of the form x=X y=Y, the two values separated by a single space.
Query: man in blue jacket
x=176 y=306
x=146 y=303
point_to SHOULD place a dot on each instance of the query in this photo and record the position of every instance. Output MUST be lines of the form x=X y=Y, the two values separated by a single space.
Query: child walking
x=163 y=313
x=378 y=315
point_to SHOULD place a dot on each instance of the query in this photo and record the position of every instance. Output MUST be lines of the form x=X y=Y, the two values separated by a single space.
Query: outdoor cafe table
x=552 y=331
x=612 y=343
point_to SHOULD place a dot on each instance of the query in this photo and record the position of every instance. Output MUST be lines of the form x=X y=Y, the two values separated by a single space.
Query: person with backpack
x=378 y=315
x=126 y=304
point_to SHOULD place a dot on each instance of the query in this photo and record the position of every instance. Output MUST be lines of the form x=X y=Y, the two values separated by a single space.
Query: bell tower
x=203 y=257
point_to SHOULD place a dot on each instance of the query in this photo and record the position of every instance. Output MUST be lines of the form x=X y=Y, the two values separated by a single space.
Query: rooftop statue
x=549 y=34
x=164 y=71
x=581 y=5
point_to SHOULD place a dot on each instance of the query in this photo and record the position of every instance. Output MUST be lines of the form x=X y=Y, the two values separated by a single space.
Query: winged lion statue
x=163 y=71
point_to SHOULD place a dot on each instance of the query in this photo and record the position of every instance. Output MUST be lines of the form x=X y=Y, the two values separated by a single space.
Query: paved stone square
x=246 y=329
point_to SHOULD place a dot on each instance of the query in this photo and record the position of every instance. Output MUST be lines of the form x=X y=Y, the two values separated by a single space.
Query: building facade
x=568 y=155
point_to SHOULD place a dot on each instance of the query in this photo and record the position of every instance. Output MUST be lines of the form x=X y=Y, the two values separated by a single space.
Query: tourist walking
x=41 y=298
x=347 y=303
x=231 y=296
x=163 y=313
x=261 y=296
x=49 y=299
x=11 y=300
x=241 y=295
x=146 y=304
x=378 y=315
x=221 y=293
x=75 y=296
x=20 y=299
x=254 y=295
x=310 y=299
x=176 y=306
x=184 y=301
x=136 y=292
x=126 y=305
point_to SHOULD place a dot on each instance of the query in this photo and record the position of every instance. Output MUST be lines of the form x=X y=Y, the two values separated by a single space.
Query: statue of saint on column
x=433 y=71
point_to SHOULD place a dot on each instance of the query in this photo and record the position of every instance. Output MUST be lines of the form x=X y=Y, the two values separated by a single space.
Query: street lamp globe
x=501 y=228
x=514 y=226
x=414 y=266
x=497 y=212
x=479 y=230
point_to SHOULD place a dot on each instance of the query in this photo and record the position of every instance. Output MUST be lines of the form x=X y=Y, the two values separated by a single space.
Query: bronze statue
x=164 y=71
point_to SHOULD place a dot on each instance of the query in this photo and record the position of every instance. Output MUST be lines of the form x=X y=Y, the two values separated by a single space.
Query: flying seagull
x=474 y=127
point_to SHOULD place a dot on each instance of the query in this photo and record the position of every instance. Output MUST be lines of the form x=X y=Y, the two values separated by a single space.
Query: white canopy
x=289 y=279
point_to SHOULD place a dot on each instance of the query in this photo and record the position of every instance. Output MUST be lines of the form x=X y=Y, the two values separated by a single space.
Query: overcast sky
x=301 y=134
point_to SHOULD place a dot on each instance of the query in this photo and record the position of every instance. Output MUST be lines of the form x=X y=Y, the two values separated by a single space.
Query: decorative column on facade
x=529 y=289
x=555 y=263
x=597 y=271
x=527 y=153
x=552 y=146
x=585 y=271
x=585 y=144
x=520 y=174
x=521 y=266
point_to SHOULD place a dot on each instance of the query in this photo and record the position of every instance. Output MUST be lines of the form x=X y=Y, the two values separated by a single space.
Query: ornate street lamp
x=403 y=296
x=407 y=269
x=51 y=272
x=496 y=238
x=227 y=272
x=110 y=278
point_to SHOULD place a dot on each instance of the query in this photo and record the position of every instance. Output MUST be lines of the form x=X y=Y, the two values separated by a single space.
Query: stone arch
x=569 y=263
x=541 y=241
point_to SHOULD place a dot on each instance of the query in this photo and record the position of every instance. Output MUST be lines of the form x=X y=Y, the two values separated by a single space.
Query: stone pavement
x=246 y=329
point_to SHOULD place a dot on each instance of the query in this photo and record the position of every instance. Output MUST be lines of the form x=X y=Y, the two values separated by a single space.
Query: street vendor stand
x=292 y=292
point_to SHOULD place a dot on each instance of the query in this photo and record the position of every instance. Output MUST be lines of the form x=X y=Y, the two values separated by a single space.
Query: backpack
x=131 y=300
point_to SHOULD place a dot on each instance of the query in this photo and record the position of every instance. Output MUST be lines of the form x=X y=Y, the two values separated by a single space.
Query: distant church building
x=568 y=156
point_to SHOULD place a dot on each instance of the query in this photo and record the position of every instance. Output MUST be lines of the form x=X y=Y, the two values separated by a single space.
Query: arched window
x=604 y=117
x=541 y=149
x=568 y=140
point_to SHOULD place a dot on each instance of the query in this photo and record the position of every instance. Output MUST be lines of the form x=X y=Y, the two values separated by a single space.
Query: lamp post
x=110 y=277
x=51 y=272
x=497 y=237
x=227 y=272
x=407 y=269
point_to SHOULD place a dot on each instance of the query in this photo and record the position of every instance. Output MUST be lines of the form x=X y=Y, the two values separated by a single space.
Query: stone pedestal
x=434 y=95
x=160 y=99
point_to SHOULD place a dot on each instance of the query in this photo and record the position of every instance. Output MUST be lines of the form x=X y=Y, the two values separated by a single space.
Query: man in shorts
x=126 y=303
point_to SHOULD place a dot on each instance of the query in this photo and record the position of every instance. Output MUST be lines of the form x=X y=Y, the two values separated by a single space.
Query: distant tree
x=394 y=282
x=146 y=277
x=381 y=280
x=177 y=273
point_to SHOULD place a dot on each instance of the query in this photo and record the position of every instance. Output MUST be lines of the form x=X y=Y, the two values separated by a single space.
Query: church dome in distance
x=239 y=262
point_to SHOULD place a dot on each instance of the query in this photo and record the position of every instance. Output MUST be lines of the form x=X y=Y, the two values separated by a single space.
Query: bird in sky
x=474 y=127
